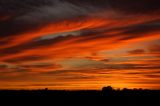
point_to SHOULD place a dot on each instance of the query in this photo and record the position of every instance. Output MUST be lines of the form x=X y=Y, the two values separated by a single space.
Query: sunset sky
x=79 y=44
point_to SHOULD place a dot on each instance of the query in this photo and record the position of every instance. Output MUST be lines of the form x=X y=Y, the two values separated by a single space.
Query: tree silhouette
x=108 y=88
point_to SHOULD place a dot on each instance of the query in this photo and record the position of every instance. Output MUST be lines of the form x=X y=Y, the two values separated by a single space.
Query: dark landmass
x=105 y=97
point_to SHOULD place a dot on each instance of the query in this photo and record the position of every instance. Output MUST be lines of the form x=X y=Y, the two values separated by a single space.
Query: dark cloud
x=24 y=58
x=15 y=9
x=3 y=66
x=126 y=32
x=137 y=51
x=34 y=85
x=136 y=6
x=130 y=66
x=34 y=44
x=76 y=77
x=74 y=71
x=152 y=76
x=154 y=48
x=154 y=82
x=146 y=72
x=29 y=14
x=143 y=28
x=126 y=6
x=106 y=60
x=43 y=85
x=41 y=65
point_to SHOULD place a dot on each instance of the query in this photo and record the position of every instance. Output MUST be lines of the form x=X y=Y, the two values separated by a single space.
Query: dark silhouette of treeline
x=107 y=97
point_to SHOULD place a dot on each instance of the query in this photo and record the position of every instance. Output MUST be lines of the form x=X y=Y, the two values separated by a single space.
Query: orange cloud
x=57 y=27
x=97 y=34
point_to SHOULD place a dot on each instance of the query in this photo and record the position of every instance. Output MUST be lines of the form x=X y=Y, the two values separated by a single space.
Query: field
x=105 y=97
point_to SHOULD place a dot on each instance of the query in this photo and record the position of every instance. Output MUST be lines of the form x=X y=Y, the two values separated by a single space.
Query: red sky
x=79 y=44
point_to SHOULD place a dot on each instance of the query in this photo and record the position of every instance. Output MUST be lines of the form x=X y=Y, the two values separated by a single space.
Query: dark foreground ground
x=80 y=98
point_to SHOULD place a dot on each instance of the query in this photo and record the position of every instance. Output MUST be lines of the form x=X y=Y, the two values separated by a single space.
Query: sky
x=79 y=44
